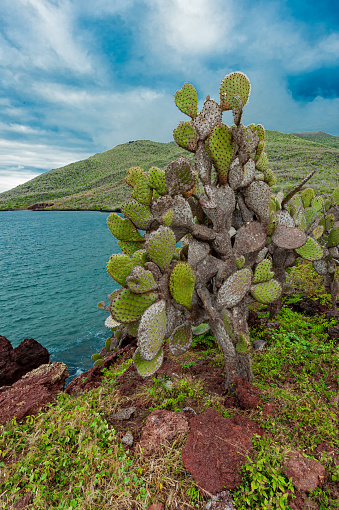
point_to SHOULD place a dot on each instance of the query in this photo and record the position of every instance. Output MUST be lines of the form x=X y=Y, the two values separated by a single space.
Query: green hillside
x=98 y=182
x=320 y=137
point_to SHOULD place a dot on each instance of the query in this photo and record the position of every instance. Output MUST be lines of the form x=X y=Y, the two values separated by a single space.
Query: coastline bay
x=52 y=275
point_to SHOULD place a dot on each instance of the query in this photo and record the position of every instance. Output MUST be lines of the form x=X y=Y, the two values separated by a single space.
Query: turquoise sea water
x=52 y=276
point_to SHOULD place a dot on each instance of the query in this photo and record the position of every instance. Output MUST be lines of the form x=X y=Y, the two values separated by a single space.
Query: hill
x=98 y=182
x=320 y=137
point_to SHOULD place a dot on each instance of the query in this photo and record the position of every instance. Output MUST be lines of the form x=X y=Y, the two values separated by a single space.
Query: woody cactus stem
x=222 y=226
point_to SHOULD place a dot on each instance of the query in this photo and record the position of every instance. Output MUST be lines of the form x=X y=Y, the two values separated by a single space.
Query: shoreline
x=75 y=210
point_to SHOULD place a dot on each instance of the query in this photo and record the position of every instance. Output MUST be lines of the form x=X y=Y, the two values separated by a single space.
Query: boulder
x=14 y=363
x=161 y=426
x=221 y=501
x=32 y=392
x=216 y=449
x=307 y=474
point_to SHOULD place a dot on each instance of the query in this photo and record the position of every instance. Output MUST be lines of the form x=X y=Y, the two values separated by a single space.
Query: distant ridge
x=320 y=137
x=97 y=183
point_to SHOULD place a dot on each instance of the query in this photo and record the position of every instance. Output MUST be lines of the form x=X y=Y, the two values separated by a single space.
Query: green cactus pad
x=134 y=174
x=328 y=204
x=141 y=280
x=180 y=176
x=239 y=262
x=263 y=272
x=296 y=201
x=243 y=345
x=266 y=292
x=142 y=192
x=227 y=320
x=147 y=368
x=95 y=357
x=310 y=215
x=181 y=284
x=128 y=248
x=119 y=267
x=333 y=238
x=234 y=289
x=137 y=213
x=160 y=246
x=318 y=232
x=185 y=136
x=300 y=220
x=262 y=163
x=259 y=151
x=335 y=195
x=311 y=250
x=157 y=180
x=152 y=330
x=180 y=340
x=201 y=329
x=270 y=177
x=307 y=196
x=128 y=306
x=139 y=258
x=272 y=223
x=318 y=203
x=99 y=362
x=186 y=100
x=123 y=229
x=108 y=343
x=167 y=218
x=327 y=222
x=234 y=84
x=221 y=150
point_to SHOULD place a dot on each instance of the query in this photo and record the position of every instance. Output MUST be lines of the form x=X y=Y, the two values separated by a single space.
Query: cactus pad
x=320 y=266
x=160 y=246
x=235 y=174
x=139 y=258
x=272 y=223
x=201 y=329
x=311 y=250
x=318 y=203
x=239 y=262
x=128 y=248
x=142 y=192
x=284 y=218
x=288 y=238
x=157 y=180
x=221 y=149
x=180 y=176
x=128 y=307
x=263 y=272
x=307 y=196
x=186 y=136
x=234 y=84
x=147 y=368
x=266 y=292
x=186 y=100
x=262 y=163
x=119 y=267
x=152 y=330
x=123 y=229
x=181 y=339
x=335 y=196
x=141 y=281
x=318 y=232
x=250 y=237
x=249 y=173
x=310 y=215
x=234 y=289
x=111 y=323
x=181 y=284
x=137 y=213
x=134 y=174
x=258 y=198
x=333 y=238
x=167 y=218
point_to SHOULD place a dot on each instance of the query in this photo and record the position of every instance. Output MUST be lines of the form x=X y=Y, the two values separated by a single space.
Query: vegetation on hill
x=320 y=137
x=71 y=456
x=98 y=182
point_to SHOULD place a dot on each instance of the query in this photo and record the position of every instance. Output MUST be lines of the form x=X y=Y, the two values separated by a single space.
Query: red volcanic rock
x=14 y=363
x=33 y=392
x=162 y=426
x=216 y=449
x=248 y=395
x=90 y=379
x=307 y=474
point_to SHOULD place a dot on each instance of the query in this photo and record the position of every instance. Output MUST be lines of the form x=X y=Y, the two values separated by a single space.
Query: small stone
x=189 y=410
x=128 y=439
x=168 y=385
x=123 y=414
x=258 y=344
x=221 y=501
x=156 y=506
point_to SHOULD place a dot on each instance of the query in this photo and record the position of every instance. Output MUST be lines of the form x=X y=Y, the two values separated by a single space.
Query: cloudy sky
x=81 y=76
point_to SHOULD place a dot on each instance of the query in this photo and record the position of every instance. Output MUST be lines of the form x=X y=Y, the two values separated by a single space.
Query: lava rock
x=161 y=426
x=307 y=474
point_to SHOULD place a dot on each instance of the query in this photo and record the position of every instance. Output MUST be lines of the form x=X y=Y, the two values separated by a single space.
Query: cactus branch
x=295 y=190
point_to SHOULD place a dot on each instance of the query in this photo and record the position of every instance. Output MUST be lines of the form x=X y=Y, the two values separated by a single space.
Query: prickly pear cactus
x=221 y=210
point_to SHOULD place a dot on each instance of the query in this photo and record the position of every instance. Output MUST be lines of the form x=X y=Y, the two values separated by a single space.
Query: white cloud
x=12 y=177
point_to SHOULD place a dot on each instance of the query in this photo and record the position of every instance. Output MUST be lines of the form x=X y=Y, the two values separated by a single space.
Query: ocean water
x=52 y=276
